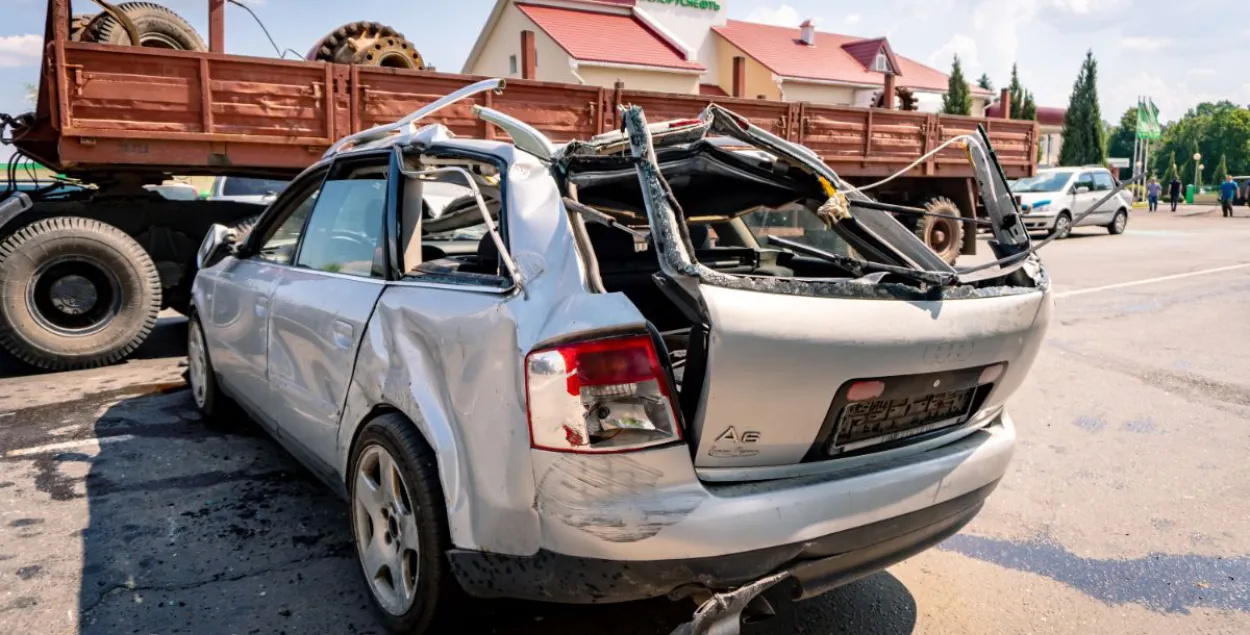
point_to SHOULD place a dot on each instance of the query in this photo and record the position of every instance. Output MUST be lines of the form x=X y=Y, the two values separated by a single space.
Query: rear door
x=322 y=304
x=1103 y=185
x=1083 y=199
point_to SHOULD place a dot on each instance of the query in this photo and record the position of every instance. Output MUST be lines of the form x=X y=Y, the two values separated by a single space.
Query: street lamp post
x=1197 y=170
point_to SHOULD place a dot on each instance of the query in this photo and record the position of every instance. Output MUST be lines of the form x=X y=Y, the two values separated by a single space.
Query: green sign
x=701 y=5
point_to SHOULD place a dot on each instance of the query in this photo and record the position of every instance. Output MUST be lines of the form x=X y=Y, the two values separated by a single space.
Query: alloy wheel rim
x=1064 y=225
x=1120 y=221
x=387 y=539
x=198 y=364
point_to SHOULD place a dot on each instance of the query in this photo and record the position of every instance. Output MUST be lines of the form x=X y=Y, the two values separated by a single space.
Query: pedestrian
x=1152 y=193
x=1228 y=192
x=1174 y=191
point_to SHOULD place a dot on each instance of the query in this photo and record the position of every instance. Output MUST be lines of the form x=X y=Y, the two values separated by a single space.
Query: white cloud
x=1145 y=44
x=852 y=19
x=784 y=15
x=961 y=45
x=20 y=50
x=1089 y=7
x=1202 y=72
x=1172 y=97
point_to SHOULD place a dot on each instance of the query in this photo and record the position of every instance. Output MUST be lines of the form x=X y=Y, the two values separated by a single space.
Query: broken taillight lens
x=605 y=395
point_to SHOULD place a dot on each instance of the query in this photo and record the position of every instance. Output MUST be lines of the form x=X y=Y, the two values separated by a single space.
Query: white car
x=591 y=402
x=246 y=190
x=1057 y=199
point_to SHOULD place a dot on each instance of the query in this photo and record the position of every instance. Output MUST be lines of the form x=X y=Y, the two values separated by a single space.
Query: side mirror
x=1081 y=189
x=216 y=245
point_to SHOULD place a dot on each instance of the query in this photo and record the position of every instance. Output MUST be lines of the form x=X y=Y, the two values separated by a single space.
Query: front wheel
x=1119 y=223
x=1063 y=226
x=399 y=524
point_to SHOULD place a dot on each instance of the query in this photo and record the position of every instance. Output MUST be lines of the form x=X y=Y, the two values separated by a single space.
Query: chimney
x=529 y=55
x=1004 y=102
x=807 y=33
x=740 y=76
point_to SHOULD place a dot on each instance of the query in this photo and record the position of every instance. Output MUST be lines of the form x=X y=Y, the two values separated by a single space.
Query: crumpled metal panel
x=451 y=359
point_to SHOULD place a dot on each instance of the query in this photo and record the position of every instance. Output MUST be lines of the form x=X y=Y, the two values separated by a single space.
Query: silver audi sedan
x=648 y=363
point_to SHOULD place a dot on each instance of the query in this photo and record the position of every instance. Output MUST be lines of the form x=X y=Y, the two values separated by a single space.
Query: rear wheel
x=75 y=293
x=1119 y=223
x=1063 y=226
x=158 y=28
x=399 y=524
x=943 y=235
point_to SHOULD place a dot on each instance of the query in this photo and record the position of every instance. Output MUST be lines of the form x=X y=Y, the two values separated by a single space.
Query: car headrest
x=610 y=243
x=488 y=254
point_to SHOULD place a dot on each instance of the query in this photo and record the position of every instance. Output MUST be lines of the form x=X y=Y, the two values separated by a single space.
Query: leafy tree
x=32 y=94
x=1173 y=172
x=1124 y=136
x=1084 y=140
x=1017 y=93
x=984 y=83
x=1221 y=170
x=958 y=99
x=1028 y=110
x=1213 y=129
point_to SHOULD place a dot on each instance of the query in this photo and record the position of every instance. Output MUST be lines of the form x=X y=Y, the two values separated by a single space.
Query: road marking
x=67 y=445
x=1134 y=283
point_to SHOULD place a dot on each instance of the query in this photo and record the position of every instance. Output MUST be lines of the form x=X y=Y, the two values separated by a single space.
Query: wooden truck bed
x=109 y=108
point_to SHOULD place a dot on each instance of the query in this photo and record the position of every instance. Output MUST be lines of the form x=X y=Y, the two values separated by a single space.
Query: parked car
x=175 y=191
x=1056 y=200
x=1243 y=190
x=246 y=190
x=592 y=403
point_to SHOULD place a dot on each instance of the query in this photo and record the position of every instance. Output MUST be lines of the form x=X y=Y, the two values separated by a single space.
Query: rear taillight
x=606 y=395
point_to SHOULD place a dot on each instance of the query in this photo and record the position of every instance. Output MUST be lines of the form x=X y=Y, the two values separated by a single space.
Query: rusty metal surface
x=117 y=108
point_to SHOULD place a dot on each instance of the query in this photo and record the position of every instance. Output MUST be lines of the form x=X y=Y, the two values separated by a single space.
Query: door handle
x=343 y=333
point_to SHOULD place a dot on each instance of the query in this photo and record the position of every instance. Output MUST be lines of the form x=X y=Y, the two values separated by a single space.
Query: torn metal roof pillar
x=217 y=26
x=529 y=55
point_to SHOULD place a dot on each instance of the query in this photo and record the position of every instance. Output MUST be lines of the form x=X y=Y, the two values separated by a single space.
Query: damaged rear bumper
x=814 y=566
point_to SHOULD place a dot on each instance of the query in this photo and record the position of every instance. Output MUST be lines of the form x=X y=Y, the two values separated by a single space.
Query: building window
x=882 y=63
x=512 y=64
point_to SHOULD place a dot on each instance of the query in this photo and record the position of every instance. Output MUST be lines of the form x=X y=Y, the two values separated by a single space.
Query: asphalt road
x=1124 y=512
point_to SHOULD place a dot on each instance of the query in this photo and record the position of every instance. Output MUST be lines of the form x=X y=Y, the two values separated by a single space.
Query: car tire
x=1063 y=226
x=158 y=27
x=1119 y=223
x=76 y=293
x=201 y=377
x=391 y=450
x=943 y=235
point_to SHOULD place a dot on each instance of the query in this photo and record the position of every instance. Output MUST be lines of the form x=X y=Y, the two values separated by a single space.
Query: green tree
x=958 y=99
x=1084 y=140
x=1017 y=93
x=1173 y=172
x=1123 y=137
x=984 y=82
x=1214 y=130
x=1221 y=170
x=32 y=94
x=1028 y=110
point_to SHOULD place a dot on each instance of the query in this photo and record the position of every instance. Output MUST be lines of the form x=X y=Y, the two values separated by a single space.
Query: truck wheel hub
x=74 y=296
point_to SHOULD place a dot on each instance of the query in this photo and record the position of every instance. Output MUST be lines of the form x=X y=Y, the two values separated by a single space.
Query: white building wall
x=552 y=63
x=691 y=27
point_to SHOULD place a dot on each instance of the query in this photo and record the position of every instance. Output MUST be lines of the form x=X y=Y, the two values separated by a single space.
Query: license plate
x=868 y=423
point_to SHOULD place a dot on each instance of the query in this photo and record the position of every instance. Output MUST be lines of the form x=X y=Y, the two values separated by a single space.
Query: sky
x=1179 y=53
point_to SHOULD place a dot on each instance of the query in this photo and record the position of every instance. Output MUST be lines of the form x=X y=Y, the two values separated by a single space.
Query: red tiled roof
x=865 y=52
x=780 y=49
x=1046 y=115
x=712 y=90
x=606 y=37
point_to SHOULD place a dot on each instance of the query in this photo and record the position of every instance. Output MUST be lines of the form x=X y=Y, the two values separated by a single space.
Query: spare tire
x=75 y=293
x=367 y=44
x=943 y=235
x=158 y=28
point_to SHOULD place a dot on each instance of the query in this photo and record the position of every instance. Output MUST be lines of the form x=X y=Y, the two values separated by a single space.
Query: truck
x=83 y=277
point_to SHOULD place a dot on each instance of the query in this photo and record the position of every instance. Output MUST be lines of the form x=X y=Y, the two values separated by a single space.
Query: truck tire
x=78 y=25
x=179 y=297
x=367 y=44
x=75 y=293
x=158 y=28
x=942 y=235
